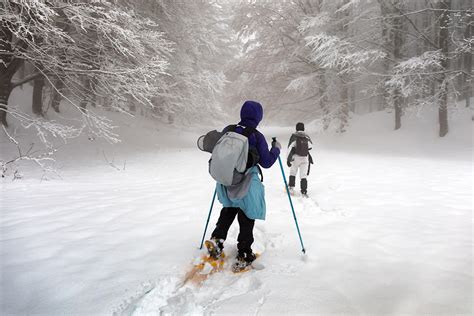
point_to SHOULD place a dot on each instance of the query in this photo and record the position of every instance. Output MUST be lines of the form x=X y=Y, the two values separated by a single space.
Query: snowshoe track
x=172 y=296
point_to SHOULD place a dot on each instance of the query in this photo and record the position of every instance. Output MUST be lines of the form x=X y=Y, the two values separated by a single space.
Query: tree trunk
x=56 y=98
x=426 y=25
x=344 y=108
x=460 y=78
x=8 y=66
x=397 y=43
x=86 y=96
x=323 y=100
x=22 y=72
x=385 y=26
x=5 y=91
x=385 y=92
x=392 y=35
x=445 y=5
x=443 y=112
x=83 y=106
x=397 y=102
x=467 y=69
x=352 y=97
x=93 y=87
x=37 y=102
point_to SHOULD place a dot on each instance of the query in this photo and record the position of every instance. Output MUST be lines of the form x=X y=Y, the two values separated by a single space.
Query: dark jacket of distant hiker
x=299 y=158
x=293 y=149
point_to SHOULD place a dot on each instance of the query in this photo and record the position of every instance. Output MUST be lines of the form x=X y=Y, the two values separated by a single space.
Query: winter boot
x=214 y=248
x=291 y=184
x=243 y=260
x=304 y=186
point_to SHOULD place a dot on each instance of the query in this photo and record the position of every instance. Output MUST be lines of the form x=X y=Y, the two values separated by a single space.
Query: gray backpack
x=231 y=155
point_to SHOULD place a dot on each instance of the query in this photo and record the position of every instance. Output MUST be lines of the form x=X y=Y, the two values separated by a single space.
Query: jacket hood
x=251 y=114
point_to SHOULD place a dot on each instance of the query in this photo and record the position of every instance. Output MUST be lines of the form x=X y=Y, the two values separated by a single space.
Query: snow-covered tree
x=274 y=66
x=426 y=73
x=203 y=49
x=339 y=45
x=84 y=51
x=297 y=54
x=324 y=59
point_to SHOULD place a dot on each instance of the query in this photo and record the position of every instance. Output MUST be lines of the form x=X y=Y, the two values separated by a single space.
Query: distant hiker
x=236 y=154
x=299 y=158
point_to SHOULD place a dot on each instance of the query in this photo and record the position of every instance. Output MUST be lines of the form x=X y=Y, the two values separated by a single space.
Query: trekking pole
x=208 y=217
x=291 y=202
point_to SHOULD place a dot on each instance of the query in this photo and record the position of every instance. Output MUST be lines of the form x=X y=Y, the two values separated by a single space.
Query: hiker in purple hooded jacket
x=253 y=205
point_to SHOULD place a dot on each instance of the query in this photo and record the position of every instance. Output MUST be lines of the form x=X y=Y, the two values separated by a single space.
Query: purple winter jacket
x=251 y=114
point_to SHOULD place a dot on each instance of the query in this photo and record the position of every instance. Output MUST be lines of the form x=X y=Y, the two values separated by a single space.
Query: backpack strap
x=261 y=173
x=230 y=128
x=253 y=156
x=248 y=131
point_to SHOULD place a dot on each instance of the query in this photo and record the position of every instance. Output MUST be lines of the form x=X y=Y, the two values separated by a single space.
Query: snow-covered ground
x=387 y=228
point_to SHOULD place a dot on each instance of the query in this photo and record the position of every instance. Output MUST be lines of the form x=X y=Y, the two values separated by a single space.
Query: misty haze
x=236 y=157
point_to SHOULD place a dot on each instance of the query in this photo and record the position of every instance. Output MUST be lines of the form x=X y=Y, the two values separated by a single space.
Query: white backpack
x=228 y=163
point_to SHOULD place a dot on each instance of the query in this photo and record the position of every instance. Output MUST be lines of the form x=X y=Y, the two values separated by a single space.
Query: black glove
x=290 y=159
x=276 y=144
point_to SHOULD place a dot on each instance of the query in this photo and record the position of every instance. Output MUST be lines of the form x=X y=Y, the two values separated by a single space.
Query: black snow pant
x=245 y=238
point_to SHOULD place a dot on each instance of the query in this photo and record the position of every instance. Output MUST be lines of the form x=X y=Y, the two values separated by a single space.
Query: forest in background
x=326 y=59
x=195 y=62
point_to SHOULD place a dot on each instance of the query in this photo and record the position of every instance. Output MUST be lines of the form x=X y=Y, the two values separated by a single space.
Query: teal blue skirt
x=253 y=203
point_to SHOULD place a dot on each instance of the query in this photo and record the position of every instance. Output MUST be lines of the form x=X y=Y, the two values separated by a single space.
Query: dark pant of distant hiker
x=245 y=238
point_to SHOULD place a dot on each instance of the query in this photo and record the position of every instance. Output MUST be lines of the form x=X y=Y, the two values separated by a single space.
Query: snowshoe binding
x=214 y=248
